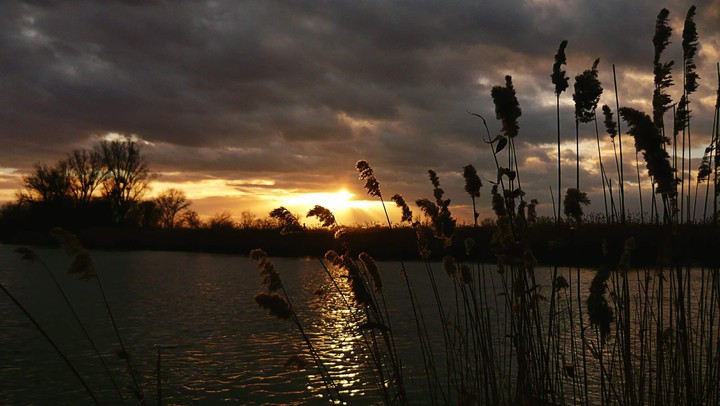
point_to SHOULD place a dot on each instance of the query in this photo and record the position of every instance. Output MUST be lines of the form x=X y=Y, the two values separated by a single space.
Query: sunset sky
x=249 y=105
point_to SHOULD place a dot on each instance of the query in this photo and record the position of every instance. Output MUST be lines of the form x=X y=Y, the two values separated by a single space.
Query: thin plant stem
x=82 y=328
x=51 y=342
x=622 y=177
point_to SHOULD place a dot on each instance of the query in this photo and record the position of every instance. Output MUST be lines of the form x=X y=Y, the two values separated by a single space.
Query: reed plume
x=561 y=83
x=648 y=139
x=662 y=70
x=443 y=224
x=275 y=304
x=270 y=277
x=587 y=93
x=407 y=215
x=288 y=222
x=357 y=284
x=558 y=77
x=586 y=97
x=599 y=311
x=507 y=107
x=326 y=217
x=690 y=84
x=690 y=47
x=472 y=187
x=610 y=124
x=498 y=202
x=449 y=265
x=366 y=173
x=704 y=170
x=372 y=270
x=573 y=202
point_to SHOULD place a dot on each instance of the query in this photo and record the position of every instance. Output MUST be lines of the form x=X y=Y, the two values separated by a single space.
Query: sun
x=334 y=201
x=344 y=205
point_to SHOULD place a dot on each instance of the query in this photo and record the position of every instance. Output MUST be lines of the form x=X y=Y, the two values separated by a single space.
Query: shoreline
x=591 y=245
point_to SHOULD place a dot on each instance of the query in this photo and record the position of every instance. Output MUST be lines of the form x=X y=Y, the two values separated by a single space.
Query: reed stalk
x=621 y=179
x=30 y=255
x=52 y=343
x=83 y=265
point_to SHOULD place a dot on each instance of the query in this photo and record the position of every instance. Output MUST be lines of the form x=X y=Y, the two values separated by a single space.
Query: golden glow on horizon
x=198 y=189
x=346 y=209
x=334 y=201
x=259 y=196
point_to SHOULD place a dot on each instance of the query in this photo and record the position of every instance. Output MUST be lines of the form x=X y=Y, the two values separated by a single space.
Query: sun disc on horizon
x=346 y=207
x=340 y=200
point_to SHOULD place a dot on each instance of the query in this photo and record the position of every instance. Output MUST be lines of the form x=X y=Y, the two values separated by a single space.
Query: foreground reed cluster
x=515 y=334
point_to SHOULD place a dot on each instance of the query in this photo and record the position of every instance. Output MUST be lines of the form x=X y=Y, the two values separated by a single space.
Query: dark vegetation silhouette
x=638 y=333
x=642 y=331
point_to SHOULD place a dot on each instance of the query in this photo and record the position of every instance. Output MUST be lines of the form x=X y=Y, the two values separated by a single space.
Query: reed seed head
x=270 y=277
x=498 y=202
x=472 y=181
x=507 y=107
x=587 y=93
x=704 y=170
x=663 y=31
x=274 y=304
x=288 y=222
x=561 y=283
x=649 y=140
x=663 y=77
x=449 y=265
x=357 y=284
x=372 y=270
x=598 y=308
x=690 y=47
x=682 y=115
x=610 y=124
x=82 y=265
x=68 y=241
x=366 y=173
x=532 y=211
x=340 y=233
x=573 y=202
x=326 y=217
x=26 y=254
x=333 y=258
x=406 y=212
x=558 y=77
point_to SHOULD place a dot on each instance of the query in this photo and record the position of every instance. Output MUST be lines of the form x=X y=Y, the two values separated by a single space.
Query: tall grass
x=511 y=333
x=82 y=266
x=515 y=334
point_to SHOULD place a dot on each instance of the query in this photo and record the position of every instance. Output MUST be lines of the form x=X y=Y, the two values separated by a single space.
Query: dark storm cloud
x=290 y=88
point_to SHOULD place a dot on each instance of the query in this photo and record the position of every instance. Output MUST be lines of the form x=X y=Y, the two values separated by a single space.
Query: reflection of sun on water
x=335 y=336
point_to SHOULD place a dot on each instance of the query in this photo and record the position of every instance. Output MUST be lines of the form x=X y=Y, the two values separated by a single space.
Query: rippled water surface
x=197 y=312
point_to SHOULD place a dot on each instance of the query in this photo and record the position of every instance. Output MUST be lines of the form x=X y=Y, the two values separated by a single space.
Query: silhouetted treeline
x=592 y=245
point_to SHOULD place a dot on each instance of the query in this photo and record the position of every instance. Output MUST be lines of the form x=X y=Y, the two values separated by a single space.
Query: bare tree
x=221 y=221
x=171 y=202
x=86 y=172
x=190 y=219
x=48 y=184
x=247 y=219
x=128 y=173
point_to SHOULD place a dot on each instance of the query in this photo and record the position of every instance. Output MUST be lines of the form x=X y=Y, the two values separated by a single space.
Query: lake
x=198 y=309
